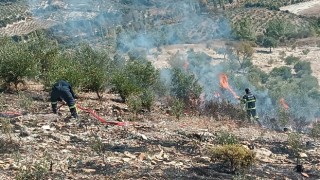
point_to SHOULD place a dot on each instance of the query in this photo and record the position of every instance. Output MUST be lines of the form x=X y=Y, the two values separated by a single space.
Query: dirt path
x=311 y=8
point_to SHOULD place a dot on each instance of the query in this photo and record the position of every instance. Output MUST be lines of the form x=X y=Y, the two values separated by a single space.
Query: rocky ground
x=154 y=146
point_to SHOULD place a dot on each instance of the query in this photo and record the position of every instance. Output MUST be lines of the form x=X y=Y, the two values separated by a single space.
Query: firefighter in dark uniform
x=250 y=104
x=62 y=90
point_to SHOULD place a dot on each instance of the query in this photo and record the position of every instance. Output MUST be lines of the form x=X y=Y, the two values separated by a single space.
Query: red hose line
x=100 y=118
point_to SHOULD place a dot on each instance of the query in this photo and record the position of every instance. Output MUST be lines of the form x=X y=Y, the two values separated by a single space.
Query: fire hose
x=11 y=114
x=94 y=114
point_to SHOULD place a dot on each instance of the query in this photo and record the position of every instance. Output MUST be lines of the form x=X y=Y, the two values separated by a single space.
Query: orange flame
x=224 y=84
x=283 y=103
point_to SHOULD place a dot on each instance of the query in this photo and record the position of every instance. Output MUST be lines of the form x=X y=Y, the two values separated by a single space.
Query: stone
x=303 y=155
x=263 y=152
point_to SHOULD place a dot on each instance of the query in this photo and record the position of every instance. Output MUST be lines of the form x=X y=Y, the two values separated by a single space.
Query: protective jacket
x=250 y=101
x=62 y=90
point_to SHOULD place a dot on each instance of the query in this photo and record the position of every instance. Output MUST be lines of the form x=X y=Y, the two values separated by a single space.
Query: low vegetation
x=235 y=156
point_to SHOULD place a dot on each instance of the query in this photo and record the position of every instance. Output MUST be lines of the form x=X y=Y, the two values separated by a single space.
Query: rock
x=144 y=137
x=66 y=151
x=142 y=156
x=126 y=159
x=129 y=155
x=303 y=155
x=24 y=132
x=89 y=170
x=47 y=128
x=262 y=153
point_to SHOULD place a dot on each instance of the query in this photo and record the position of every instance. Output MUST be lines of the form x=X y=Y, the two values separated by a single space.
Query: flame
x=224 y=84
x=283 y=103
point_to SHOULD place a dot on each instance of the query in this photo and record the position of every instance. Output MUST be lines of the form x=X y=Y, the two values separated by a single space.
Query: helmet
x=247 y=90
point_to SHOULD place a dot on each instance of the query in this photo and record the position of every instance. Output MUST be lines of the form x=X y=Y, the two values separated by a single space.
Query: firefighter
x=62 y=90
x=249 y=100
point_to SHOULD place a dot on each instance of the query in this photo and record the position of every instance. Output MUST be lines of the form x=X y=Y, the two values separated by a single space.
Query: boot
x=74 y=113
x=54 y=108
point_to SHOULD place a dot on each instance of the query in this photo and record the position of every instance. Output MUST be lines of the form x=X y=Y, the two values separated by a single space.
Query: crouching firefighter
x=250 y=104
x=62 y=90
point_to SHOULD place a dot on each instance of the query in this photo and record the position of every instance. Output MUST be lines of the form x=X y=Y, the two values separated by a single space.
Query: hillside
x=155 y=69
x=155 y=146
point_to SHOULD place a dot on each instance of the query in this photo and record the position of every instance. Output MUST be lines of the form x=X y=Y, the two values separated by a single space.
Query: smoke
x=133 y=25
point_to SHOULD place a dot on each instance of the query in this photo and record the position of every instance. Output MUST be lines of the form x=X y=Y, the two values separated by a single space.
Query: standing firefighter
x=62 y=90
x=250 y=104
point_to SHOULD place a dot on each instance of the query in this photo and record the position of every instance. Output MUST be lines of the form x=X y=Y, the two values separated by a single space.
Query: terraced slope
x=261 y=16
x=13 y=12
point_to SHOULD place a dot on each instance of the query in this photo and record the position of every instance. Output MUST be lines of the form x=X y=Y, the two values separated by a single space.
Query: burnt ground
x=153 y=146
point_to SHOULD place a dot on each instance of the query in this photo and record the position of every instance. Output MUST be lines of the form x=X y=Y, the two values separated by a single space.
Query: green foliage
x=226 y=138
x=291 y=60
x=256 y=75
x=97 y=146
x=177 y=107
x=269 y=42
x=283 y=72
x=135 y=78
x=36 y=171
x=295 y=143
x=235 y=156
x=302 y=68
x=305 y=51
x=6 y=127
x=95 y=67
x=243 y=30
x=184 y=86
x=308 y=82
x=16 y=63
x=25 y=101
x=244 y=52
x=134 y=103
x=283 y=117
x=279 y=29
x=315 y=131
x=44 y=51
x=66 y=68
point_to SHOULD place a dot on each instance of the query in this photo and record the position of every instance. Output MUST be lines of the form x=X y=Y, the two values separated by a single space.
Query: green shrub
x=302 y=68
x=291 y=60
x=98 y=146
x=305 y=51
x=136 y=77
x=95 y=67
x=235 y=156
x=134 y=103
x=308 y=82
x=295 y=143
x=66 y=68
x=283 y=117
x=256 y=75
x=177 y=108
x=44 y=51
x=37 y=171
x=16 y=63
x=283 y=72
x=315 y=131
x=226 y=138
x=184 y=86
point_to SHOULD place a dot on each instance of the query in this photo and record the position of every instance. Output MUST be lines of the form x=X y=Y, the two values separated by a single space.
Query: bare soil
x=311 y=8
x=154 y=146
